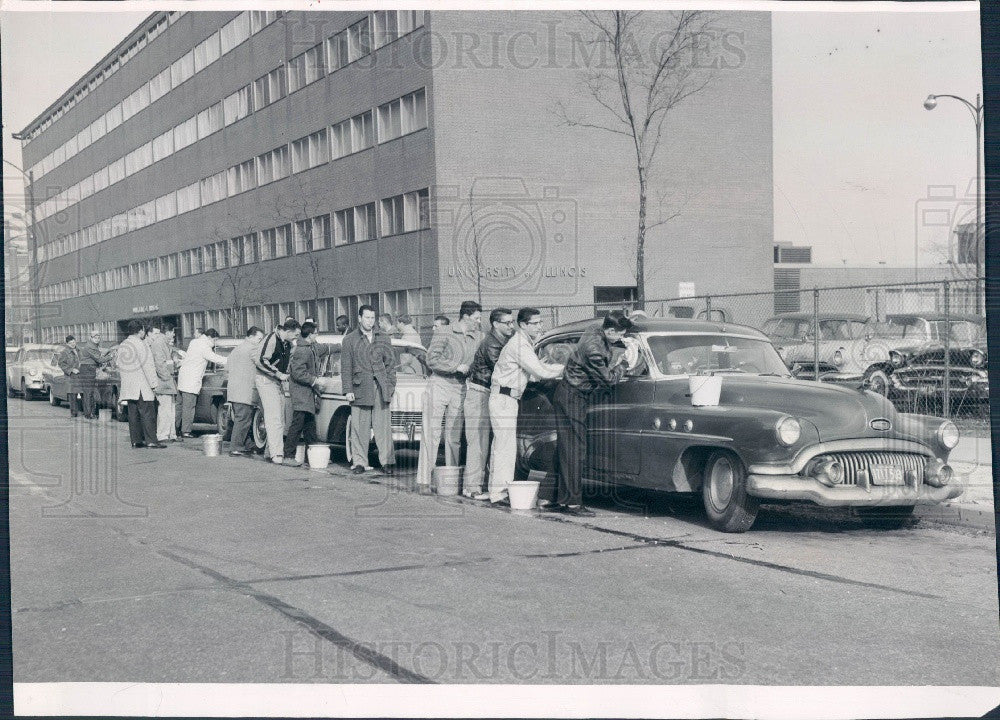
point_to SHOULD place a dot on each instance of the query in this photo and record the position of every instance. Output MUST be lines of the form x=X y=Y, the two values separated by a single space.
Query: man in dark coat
x=92 y=358
x=590 y=373
x=368 y=370
x=303 y=379
x=69 y=362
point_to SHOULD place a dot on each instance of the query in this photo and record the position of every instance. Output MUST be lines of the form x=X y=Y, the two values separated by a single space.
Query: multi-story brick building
x=226 y=168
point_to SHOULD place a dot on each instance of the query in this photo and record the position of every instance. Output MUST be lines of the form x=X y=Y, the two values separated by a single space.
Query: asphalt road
x=167 y=566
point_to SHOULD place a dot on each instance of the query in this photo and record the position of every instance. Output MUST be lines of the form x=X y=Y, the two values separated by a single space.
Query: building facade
x=221 y=169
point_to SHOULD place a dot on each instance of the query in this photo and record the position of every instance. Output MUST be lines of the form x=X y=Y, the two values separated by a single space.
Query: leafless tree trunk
x=476 y=251
x=636 y=93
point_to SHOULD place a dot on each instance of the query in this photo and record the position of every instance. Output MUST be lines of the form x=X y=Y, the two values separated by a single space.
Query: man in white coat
x=199 y=354
x=138 y=386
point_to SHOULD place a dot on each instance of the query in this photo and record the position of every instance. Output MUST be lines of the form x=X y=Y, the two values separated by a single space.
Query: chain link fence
x=923 y=345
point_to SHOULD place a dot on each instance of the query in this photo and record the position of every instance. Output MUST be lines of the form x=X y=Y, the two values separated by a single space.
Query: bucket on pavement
x=319 y=456
x=447 y=479
x=210 y=444
x=300 y=453
x=705 y=389
x=523 y=494
x=104 y=415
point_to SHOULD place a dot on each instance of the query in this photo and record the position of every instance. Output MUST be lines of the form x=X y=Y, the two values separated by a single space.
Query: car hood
x=837 y=412
x=958 y=355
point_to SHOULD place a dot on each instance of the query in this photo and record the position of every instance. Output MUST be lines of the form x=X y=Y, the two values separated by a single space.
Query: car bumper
x=797 y=487
x=35 y=384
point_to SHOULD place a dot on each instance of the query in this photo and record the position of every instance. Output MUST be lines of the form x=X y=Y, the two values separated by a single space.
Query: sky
x=854 y=150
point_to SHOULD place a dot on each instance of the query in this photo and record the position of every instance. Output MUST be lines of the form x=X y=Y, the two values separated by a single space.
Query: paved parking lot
x=166 y=566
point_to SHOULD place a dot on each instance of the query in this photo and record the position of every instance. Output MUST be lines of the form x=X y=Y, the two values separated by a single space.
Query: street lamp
x=976 y=110
x=30 y=177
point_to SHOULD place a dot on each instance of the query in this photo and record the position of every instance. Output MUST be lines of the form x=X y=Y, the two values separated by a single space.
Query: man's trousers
x=570 y=408
x=503 y=419
x=241 y=437
x=272 y=400
x=166 y=418
x=142 y=421
x=442 y=400
x=477 y=436
x=367 y=420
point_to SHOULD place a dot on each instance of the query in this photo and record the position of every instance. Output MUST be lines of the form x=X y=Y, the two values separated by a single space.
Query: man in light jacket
x=199 y=354
x=240 y=373
x=368 y=372
x=516 y=365
x=138 y=383
x=166 y=392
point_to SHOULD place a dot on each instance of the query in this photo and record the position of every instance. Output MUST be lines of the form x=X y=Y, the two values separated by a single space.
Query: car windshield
x=840 y=329
x=960 y=330
x=692 y=354
x=787 y=328
x=45 y=355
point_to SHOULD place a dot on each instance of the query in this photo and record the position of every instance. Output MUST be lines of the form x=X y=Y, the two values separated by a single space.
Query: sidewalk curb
x=957 y=515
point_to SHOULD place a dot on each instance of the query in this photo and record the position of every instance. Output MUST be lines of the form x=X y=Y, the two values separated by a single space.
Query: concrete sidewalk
x=973 y=464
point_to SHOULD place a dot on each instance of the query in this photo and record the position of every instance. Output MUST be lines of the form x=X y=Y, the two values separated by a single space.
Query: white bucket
x=523 y=494
x=210 y=444
x=104 y=415
x=705 y=389
x=319 y=456
x=300 y=453
x=447 y=479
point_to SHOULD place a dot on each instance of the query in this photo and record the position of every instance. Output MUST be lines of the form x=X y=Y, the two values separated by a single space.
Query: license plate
x=887 y=475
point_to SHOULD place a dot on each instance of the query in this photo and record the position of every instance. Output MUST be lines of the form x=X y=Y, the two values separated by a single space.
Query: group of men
x=477 y=381
x=475 y=384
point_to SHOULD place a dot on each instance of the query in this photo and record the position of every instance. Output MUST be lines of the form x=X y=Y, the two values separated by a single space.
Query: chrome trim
x=796 y=487
x=676 y=434
x=856 y=445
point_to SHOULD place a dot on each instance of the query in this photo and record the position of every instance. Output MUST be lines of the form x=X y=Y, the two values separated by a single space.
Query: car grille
x=934 y=376
x=402 y=418
x=853 y=462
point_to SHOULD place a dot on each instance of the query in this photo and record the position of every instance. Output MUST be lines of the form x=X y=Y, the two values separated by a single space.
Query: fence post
x=816 y=334
x=947 y=349
x=708 y=307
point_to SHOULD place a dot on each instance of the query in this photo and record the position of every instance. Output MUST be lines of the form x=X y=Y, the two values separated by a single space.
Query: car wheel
x=118 y=411
x=259 y=430
x=337 y=434
x=889 y=517
x=53 y=400
x=724 y=493
x=347 y=440
x=224 y=421
x=878 y=382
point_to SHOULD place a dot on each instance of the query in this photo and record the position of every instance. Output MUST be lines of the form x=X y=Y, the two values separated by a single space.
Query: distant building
x=17 y=287
x=231 y=168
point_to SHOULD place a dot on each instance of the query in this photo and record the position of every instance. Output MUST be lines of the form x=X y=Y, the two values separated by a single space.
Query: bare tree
x=637 y=93
x=476 y=251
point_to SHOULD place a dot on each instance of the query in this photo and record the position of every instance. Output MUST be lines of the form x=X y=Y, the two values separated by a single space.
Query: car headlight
x=896 y=358
x=788 y=431
x=947 y=434
x=838 y=359
x=977 y=359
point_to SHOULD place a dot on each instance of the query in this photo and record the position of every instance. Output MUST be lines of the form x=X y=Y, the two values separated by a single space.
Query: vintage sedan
x=771 y=437
x=25 y=373
x=333 y=419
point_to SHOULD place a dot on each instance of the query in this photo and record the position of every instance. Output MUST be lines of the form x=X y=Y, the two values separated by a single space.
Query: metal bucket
x=523 y=494
x=211 y=444
x=447 y=479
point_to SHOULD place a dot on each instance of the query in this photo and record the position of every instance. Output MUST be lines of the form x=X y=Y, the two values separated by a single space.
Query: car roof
x=854 y=317
x=936 y=317
x=339 y=339
x=653 y=325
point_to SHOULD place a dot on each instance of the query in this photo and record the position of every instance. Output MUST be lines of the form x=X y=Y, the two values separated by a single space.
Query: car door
x=615 y=426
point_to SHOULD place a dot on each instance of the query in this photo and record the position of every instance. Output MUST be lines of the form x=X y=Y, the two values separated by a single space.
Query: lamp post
x=976 y=110
x=35 y=310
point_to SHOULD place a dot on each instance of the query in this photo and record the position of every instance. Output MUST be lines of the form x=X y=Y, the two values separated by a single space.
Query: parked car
x=771 y=437
x=920 y=367
x=854 y=349
x=333 y=419
x=107 y=384
x=25 y=373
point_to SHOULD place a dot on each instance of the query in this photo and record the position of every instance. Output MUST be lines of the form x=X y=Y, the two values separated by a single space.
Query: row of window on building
x=399 y=214
x=417 y=302
x=391 y=120
x=335 y=52
x=193 y=62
